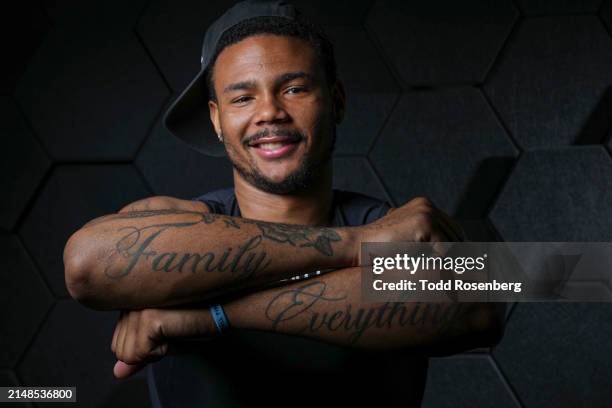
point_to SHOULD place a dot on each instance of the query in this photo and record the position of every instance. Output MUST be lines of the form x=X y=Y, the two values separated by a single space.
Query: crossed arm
x=179 y=254
x=163 y=252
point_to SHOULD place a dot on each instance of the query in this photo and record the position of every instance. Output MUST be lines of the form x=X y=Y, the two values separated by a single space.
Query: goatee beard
x=308 y=171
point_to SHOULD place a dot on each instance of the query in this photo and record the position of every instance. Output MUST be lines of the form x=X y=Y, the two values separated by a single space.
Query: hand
x=144 y=336
x=416 y=221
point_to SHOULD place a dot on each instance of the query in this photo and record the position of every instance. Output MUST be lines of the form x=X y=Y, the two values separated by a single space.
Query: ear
x=213 y=110
x=338 y=101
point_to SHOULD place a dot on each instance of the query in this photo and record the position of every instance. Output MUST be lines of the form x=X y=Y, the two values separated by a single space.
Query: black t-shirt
x=251 y=368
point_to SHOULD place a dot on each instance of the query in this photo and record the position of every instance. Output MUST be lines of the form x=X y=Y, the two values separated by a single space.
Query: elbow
x=75 y=267
x=79 y=271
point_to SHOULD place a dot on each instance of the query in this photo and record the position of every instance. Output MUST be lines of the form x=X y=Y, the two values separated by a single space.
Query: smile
x=275 y=147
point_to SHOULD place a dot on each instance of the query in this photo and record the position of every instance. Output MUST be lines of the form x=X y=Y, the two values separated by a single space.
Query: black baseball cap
x=188 y=117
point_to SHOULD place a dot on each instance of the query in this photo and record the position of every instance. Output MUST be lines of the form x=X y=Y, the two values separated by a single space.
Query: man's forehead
x=280 y=78
x=261 y=52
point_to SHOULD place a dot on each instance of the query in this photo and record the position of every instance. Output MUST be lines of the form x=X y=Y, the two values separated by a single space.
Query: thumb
x=124 y=370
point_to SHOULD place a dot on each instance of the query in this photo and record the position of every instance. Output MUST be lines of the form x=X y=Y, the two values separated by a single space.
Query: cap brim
x=188 y=118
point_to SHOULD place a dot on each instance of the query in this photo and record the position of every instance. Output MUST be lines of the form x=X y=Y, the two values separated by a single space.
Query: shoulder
x=220 y=195
x=165 y=203
x=220 y=201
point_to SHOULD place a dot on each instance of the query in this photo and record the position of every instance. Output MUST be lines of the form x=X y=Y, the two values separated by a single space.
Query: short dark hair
x=299 y=28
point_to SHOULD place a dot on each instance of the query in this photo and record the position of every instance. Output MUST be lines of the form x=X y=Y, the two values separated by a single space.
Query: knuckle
x=147 y=315
x=131 y=358
x=151 y=323
x=148 y=319
x=132 y=354
x=424 y=220
x=423 y=201
x=422 y=236
x=139 y=344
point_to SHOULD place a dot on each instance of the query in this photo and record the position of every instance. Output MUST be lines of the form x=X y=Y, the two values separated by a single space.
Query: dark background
x=499 y=111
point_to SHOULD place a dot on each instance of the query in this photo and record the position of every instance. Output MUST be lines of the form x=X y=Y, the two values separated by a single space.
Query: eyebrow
x=289 y=76
x=239 y=86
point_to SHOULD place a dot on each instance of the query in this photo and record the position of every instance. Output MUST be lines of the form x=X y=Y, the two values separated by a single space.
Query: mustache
x=293 y=134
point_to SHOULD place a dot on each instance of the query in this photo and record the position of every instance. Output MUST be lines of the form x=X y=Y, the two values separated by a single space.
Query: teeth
x=270 y=146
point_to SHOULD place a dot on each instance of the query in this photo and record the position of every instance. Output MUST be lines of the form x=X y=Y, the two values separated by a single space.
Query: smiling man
x=276 y=111
x=272 y=263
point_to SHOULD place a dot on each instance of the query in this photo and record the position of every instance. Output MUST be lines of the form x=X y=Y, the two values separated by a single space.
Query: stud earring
x=220 y=136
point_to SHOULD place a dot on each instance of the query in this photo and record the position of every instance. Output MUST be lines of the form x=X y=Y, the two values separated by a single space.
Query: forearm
x=164 y=257
x=329 y=308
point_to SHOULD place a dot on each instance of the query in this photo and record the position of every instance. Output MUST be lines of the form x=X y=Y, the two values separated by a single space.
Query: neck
x=310 y=206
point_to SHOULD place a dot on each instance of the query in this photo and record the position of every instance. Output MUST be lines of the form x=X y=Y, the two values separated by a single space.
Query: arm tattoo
x=299 y=236
x=354 y=322
x=245 y=259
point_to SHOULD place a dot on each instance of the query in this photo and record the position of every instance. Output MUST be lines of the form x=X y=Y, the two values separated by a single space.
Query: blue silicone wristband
x=220 y=319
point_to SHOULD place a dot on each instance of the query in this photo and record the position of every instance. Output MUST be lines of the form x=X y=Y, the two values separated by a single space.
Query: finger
x=124 y=370
x=130 y=337
x=119 y=350
x=116 y=333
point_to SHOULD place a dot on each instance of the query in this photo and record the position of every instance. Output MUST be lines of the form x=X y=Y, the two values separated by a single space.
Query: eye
x=242 y=99
x=295 y=90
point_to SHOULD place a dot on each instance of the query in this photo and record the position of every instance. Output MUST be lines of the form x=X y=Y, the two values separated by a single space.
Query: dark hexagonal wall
x=173 y=33
x=542 y=7
x=566 y=62
x=357 y=174
x=563 y=194
x=95 y=104
x=22 y=292
x=442 y=41
x=479 y=230
x=23 y=166
x=606 y=14
x=371 y=90
x=73 y=195
x=51 y=359
x=479 y=105
x=337 y=13
x=565 y=362
x=23 y=28
x=447 y=145
x=173 y=169
x=480 y=387
x=7 y=378
x=115 y=13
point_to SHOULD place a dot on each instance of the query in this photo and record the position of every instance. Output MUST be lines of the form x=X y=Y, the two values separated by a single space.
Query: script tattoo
x=299 y=236
x=135 y=245
x=300 y=301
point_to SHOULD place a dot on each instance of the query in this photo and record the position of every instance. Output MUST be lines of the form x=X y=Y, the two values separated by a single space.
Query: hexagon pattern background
x=500 y=112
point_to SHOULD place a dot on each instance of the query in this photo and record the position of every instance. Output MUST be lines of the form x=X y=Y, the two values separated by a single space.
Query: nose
x=270 y=110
